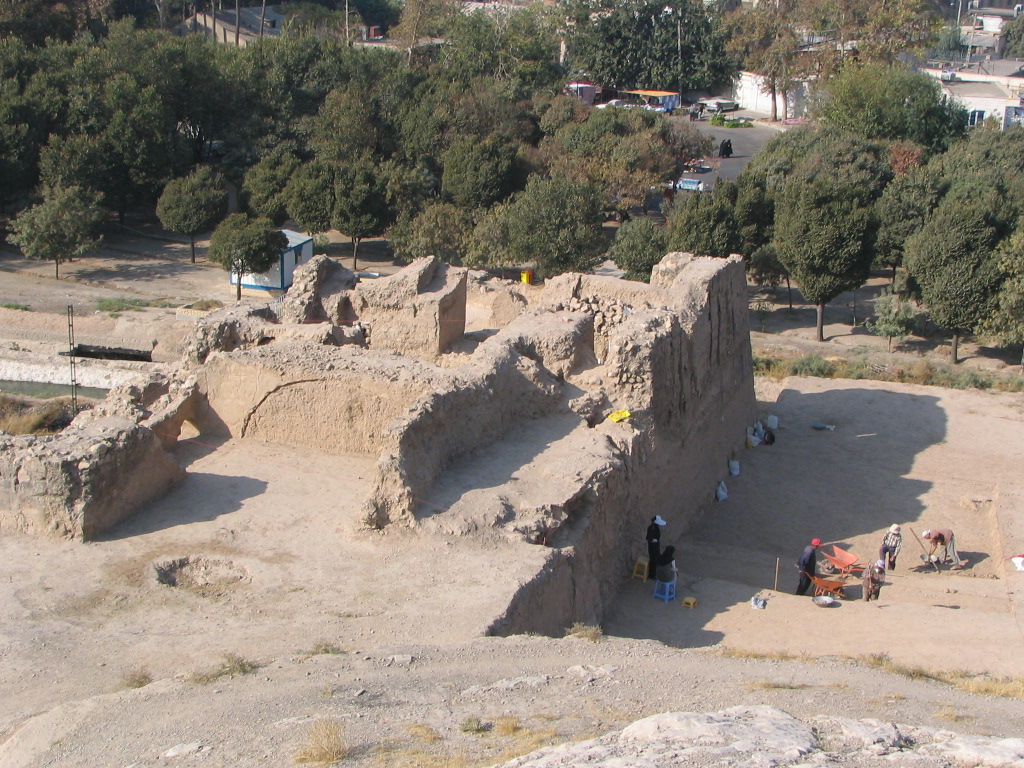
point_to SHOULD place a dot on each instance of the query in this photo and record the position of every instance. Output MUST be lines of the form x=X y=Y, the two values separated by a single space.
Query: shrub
x=811 y=365
x=325 y=743
x=586 y=632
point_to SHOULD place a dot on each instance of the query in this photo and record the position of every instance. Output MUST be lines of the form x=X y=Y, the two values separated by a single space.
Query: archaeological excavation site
x=551 y=419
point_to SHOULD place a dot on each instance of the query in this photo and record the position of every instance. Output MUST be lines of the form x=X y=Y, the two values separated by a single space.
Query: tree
x=423 y=19
x=896 y=318
x=244 y=245
x=266 y=185
x=902 y=210
x=879 y=101
x=1007 y=320
x=1013 y=34
x=768 y=41
x=360 y=203
x=765 y=268
x=511 y=43
x=648 y=44
x=554 y=224
x=309 y=196
x=64 y=225
x=639 y=244
x=825 y=225
x=623 y=152
x=954 y=258
x=192 y=204
x=477 y=173
x=703 y=223
x=440 y=229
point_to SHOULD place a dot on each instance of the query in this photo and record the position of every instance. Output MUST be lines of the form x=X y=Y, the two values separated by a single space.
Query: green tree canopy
x=880 y=101
x=266 y=183
x=477 y=173
x=677 y=46
x=623 y=152
x=825 y=222
x=513 y=43
x=639 y=244
x=64 y=225
x=192 y=204
x=1007 y=319
x=554 y=224
x=360 y=203
x=309 y=196
x=703 y=223
x=440 y=229
x=955 y=258
x=244 y=245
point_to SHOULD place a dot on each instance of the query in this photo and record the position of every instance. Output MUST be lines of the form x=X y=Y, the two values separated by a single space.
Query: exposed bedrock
x=82 y=481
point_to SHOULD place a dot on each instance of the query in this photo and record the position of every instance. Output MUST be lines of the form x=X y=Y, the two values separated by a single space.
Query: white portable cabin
x=279 y=277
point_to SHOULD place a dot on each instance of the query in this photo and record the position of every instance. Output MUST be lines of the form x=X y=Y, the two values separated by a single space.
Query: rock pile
x=752 y=737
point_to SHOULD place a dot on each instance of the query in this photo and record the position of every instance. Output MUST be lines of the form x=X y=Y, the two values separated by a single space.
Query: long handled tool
x=926 y=557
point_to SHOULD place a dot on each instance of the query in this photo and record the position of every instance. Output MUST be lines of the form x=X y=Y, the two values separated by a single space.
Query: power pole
x=71 y=357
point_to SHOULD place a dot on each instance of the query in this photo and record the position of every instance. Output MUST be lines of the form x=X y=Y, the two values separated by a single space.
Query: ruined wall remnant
x=421 y=311
x=334 y=399
x=319 y=293
x=505 y=435
x=82 y=481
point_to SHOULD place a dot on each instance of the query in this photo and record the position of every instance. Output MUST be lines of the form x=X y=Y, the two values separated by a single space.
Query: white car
x=718 y=104
x=611 y=103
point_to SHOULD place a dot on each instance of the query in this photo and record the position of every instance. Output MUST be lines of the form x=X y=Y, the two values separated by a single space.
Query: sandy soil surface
x=381 y=630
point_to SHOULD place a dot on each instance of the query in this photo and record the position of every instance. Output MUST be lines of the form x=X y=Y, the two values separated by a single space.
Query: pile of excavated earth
x=397 y=505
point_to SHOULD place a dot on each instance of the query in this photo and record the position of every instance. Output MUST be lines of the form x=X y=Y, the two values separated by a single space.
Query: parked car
x=718 y=104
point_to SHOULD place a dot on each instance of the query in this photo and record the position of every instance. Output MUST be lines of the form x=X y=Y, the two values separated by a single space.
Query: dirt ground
x=381 y=631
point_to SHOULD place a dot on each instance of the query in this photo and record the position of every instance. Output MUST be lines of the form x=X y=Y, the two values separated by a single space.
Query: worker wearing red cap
x=806 y=565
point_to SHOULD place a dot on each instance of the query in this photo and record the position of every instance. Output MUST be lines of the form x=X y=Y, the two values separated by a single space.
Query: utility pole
x=347 y=38
x=679 y=46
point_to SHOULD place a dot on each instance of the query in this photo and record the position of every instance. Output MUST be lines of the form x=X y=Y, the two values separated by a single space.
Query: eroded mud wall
x=82 y=481
x=687 y=372
x=334 y=399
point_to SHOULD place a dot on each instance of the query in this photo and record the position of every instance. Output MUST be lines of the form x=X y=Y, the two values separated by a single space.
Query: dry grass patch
x=507 y=726
x=414 y=758
x=531 y=741
x=740 y=653
x=232 y=665
x=772 y=685
x=27 y=416
x=325 y=743
x=324 y=648
x=1004 y=687
x=136 y=677
x=950 y=713
x=423 y=732
x=586 y=632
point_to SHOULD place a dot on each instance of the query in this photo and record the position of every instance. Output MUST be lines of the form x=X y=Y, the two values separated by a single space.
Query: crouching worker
x=874 y=577
x=667 y=570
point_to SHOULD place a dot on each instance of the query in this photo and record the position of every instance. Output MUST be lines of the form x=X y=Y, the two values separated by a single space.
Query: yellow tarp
x=619 y=415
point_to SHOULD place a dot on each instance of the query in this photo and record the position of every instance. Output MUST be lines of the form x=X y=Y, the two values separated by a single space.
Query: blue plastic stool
x=666 y=590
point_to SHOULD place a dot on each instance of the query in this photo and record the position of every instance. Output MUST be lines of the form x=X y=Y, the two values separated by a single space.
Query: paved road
x=745 y=144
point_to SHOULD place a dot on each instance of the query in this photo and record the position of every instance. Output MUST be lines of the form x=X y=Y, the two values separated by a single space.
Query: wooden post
x=776 y=574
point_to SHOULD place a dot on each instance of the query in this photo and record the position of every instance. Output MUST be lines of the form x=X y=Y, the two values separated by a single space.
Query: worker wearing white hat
x=892 y=543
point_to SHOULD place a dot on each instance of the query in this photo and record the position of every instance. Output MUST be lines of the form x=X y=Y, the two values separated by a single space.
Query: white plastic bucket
x=772 y=422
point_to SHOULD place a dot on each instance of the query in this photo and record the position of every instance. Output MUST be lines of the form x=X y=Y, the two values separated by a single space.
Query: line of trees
x=886 y=174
